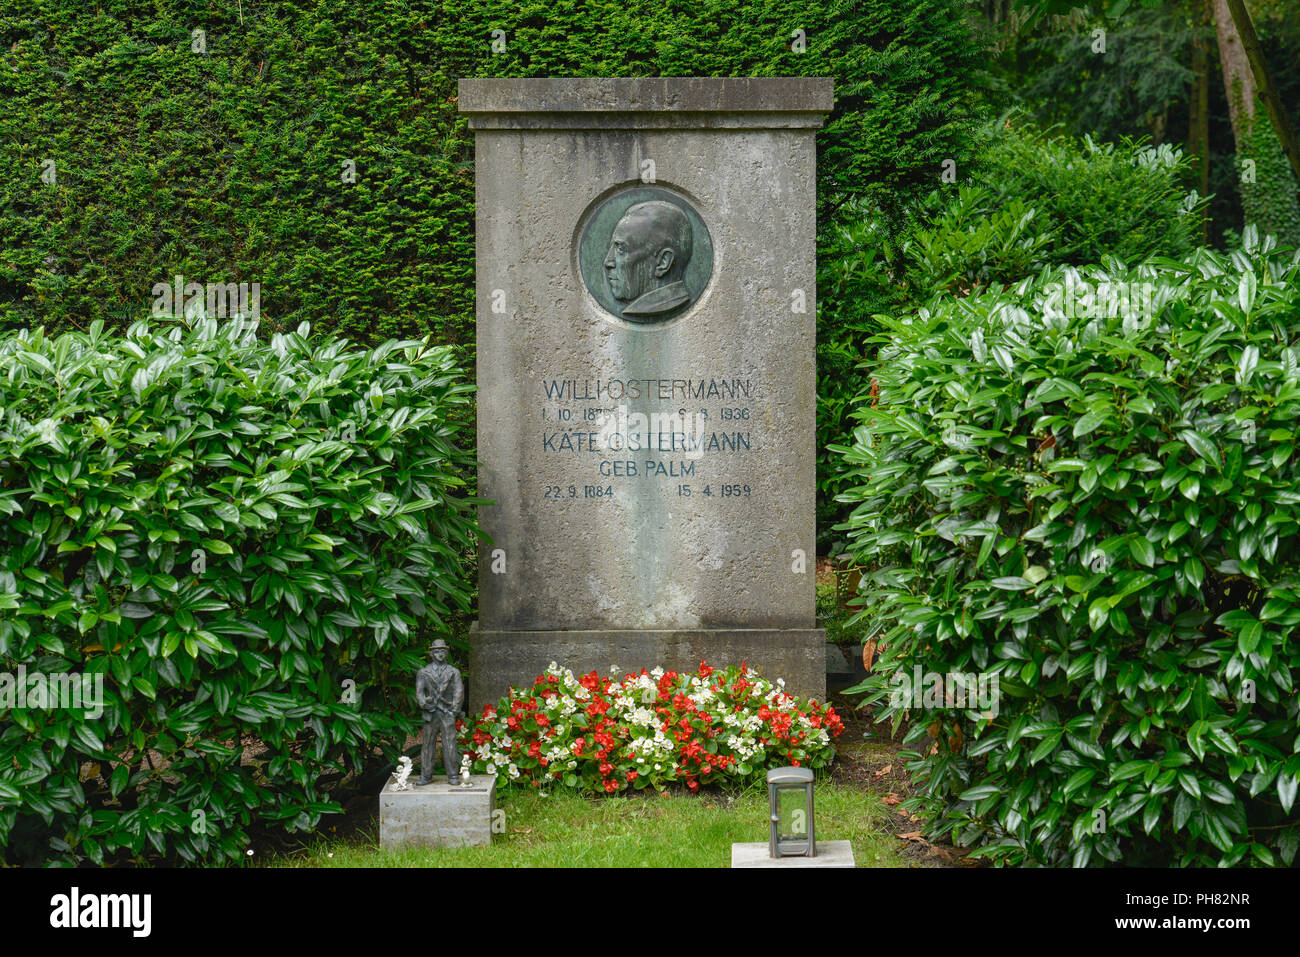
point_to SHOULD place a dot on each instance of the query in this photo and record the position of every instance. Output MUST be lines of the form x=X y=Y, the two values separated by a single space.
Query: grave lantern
x=790 y=800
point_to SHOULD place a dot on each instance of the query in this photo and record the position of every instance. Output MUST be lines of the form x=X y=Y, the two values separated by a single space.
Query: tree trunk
x=1198 y=118
x=1264 y=81
x=1238 y=78
x=1267 y=185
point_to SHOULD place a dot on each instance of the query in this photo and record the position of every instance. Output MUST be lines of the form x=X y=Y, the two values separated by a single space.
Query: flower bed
x=717 y=726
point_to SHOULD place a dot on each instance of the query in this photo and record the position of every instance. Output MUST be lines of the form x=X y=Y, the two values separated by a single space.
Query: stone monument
x=646 y=287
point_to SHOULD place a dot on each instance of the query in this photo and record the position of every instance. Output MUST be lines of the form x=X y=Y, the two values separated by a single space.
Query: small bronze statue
x=440 y=694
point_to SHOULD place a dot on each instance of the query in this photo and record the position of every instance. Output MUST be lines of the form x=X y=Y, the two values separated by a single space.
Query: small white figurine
x=403 y=772
x=464 y=771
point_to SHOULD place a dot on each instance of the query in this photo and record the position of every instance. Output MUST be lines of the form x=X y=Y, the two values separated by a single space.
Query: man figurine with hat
x=440 y=695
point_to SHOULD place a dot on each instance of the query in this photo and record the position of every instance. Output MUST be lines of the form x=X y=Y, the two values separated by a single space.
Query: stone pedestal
x=829 y=854
x=438 y=814
x=502 y=658
x=646 y=322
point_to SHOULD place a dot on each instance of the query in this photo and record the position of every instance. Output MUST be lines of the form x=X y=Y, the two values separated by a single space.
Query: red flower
x=604 y=743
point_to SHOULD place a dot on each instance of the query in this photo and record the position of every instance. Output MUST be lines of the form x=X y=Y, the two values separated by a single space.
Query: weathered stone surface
x=608 y=523
x=829 y=854
x=500 y=657
x=638 y=102
x=438 y=814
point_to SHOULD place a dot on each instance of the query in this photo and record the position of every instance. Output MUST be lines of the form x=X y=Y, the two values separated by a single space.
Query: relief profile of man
x=647 y=258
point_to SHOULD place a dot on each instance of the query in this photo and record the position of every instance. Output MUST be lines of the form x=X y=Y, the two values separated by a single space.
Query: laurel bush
x=1087 y=486
x=242 y=539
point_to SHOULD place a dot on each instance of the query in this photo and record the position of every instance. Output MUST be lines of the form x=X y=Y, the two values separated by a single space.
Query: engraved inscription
x=699 y=435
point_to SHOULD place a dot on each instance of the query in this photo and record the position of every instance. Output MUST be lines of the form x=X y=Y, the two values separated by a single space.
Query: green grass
x=569 y=830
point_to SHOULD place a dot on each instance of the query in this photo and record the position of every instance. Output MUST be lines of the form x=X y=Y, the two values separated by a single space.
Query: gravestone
x=646 y=328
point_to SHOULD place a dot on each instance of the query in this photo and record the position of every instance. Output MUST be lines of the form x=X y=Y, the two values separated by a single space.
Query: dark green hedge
x=226 y=165
x=223 y=532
